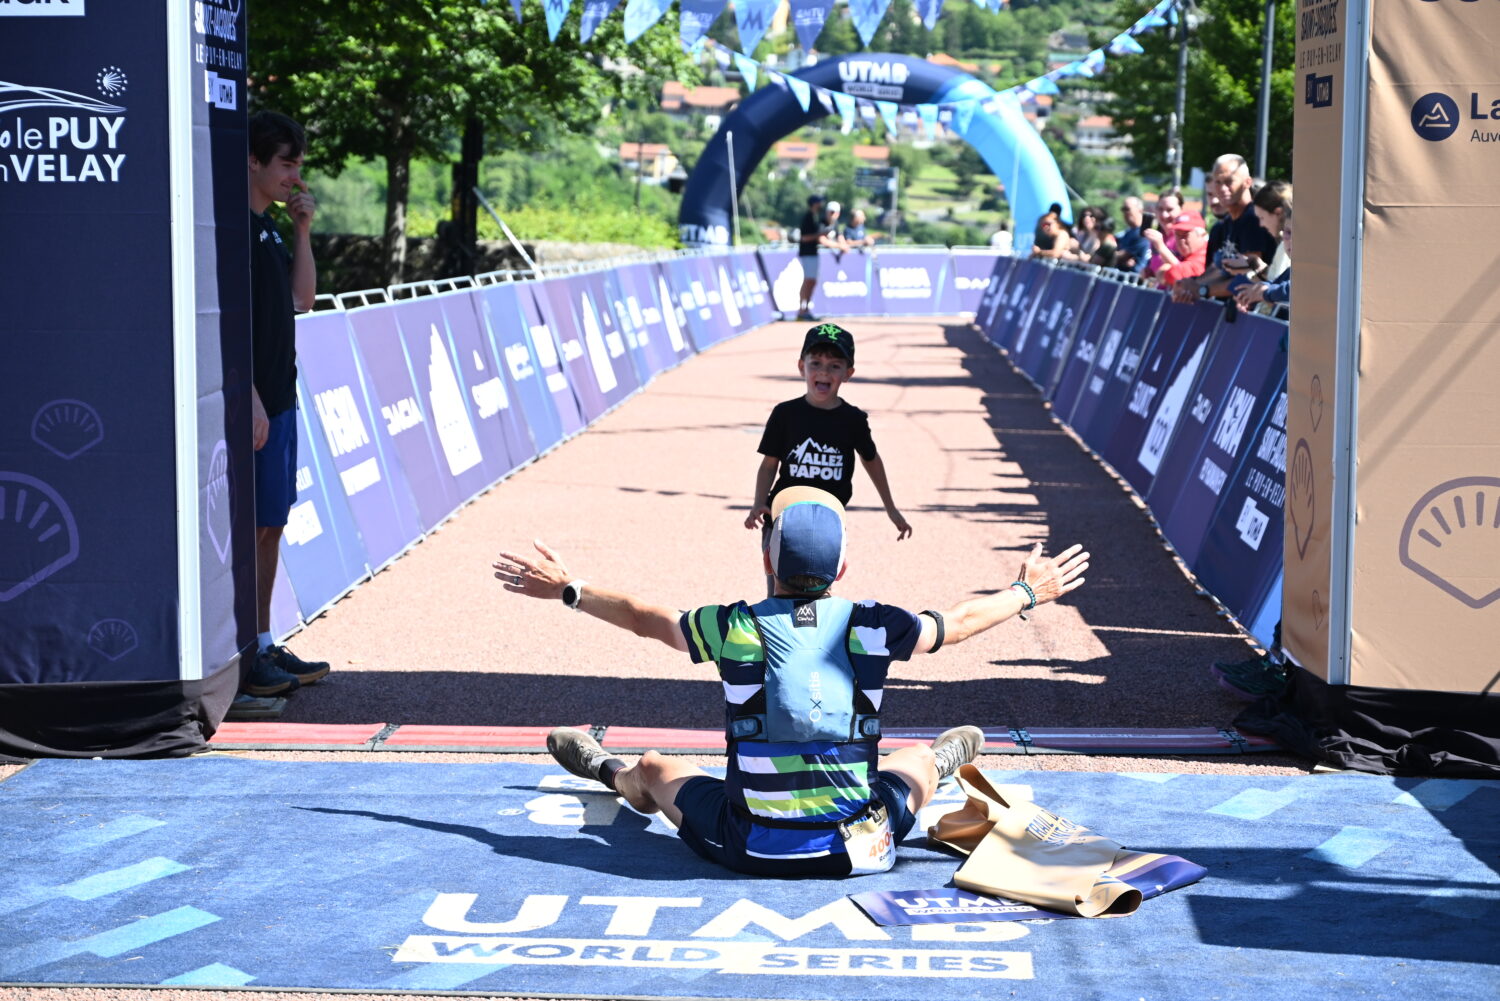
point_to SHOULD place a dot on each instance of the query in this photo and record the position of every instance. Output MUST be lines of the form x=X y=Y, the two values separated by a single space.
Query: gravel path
x=652 y=500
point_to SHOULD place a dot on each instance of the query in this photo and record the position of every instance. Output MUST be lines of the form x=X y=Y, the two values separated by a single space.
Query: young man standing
x=813 y=235
x=282 y=283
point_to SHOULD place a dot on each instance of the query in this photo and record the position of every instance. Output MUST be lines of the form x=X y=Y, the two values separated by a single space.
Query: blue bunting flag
x=557 y=13
x=963 y=114
x=1043 y=85
x=928 y=11
x=801 y=91
x=753 y=17
x=888 y=112
x=640 y=15
x=594 y=13
x=696 y=17
x=929 y=115
x=516 y=5
x=1123 y=44
x=846 y=106
x=808 y=17
x=749 y=69
x=867 y=16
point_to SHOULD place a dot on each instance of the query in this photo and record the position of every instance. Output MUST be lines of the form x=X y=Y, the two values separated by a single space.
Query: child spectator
x=813 y=439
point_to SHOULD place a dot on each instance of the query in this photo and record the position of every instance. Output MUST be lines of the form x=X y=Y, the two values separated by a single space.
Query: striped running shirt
x=803 y=781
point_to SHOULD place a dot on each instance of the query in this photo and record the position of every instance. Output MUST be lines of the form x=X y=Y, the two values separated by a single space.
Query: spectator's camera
x=1148 y=221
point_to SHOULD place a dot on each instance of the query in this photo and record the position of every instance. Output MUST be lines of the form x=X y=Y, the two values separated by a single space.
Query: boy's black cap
x=830 y=335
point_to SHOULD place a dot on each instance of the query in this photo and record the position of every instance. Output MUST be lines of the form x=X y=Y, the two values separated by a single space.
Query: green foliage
x=1223 y=87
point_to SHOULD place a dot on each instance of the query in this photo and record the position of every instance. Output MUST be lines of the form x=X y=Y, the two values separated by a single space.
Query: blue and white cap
x=807 y=535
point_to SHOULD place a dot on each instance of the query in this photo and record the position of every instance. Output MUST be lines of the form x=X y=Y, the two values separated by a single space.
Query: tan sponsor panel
x=1426 y=586
x=1321 y=100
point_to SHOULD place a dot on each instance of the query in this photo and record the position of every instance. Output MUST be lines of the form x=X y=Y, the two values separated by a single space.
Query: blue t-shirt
x=799 y=781
x=1132 y=243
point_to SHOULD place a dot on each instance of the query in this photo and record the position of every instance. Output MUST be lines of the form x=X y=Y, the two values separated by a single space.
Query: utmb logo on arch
x=1437 y=116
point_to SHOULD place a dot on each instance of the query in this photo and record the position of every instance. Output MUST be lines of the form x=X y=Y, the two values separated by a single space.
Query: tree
x=398 y=79
x=1223 y=87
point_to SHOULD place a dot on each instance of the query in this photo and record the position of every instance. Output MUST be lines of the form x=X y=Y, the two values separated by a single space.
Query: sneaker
x=266 y=678
x=955 y=747
x=577 y=752
x=1251 y=680
x=806 y=316
x=306 y=672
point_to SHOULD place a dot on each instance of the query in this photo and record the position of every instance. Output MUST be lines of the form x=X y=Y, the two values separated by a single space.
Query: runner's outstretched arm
x=545 y=577
x=1050 y=579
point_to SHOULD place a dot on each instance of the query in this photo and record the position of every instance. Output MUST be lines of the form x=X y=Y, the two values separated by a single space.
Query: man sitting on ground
x=806 y=792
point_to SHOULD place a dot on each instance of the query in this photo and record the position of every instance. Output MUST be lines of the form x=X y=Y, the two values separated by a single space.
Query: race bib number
x=870 y=842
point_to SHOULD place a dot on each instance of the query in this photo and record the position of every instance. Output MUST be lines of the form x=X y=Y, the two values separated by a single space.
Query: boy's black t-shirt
x=273 y=331
x=817 y=447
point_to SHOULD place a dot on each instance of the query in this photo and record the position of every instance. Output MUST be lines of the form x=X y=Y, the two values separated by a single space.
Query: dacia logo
x=1434 y=116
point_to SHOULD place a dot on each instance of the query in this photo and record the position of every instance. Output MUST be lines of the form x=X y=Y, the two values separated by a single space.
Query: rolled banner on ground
x=1022 y=851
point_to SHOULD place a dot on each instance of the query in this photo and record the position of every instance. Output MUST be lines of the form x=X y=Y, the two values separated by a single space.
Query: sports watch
x=572 y=593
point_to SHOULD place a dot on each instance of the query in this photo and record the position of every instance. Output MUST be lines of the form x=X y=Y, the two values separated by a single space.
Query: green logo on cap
x=829 y=330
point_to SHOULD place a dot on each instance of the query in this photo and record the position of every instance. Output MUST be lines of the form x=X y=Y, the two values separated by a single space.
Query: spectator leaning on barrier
x=1057 y=242
x=813 y=236
x=1134 y=253
x=281 y=284
x=1045 y=237
x=854 y=234
x=1192 y=243
x=1276 y=291
x=1104 y=253
x=806 y=792
x=1238 y=244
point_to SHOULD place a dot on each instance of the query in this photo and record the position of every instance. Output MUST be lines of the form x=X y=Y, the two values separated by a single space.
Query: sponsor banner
x=1216 y=431
x=451 y=420
x=554 y=301
x=689 y=298
x=657 y=330
x=285 y=616
x=992 y=301
x=679 y=337
x=731 y=295
x=89 y=531
x=401 y=421
x=784 y=275
x=320 y=546
x=846 y=284
x=511 y=319
x=909 y=283
x=1161 y=393
x=1423 y=585
x=1021 y=295
x=752 y=281
x=488 y=388
x=1055 y=324
x=1241 y=558
x=611 y=356
x=712 y=308
x=341 y=412
x=1074 y=373
x=1132 y=330
x=972 y=273
x=625 y=305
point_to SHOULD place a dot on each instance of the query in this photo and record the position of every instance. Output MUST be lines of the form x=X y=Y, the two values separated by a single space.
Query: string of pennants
x=753 y=18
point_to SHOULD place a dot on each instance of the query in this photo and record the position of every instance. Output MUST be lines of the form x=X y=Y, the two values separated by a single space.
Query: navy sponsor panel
x=1010 y=324
x=619 y=299
x=1073 y=296
x=1130 y=335
x=731 y=297
x=562 y=324
x=679 y=335
x=1073 y=373
x=1249 y=358
x=1241 y=558
x=783 y=275
x=757 y=288
x=487 y=386
x=610 y=357
x=1162 y=393
x=340 y=409
x=1053 y=319
x=703 y=285
x=1022 y=335
x=452 y=423
x=401 y=420
x=684 y=287
x=992 y=300
x=973 y=272
x=909 y=282
x=532 y=330
x=658 y=332
x=320 y=546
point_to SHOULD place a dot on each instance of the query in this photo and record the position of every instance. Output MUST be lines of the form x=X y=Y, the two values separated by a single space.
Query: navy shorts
x=714 y=833
x=276 y=472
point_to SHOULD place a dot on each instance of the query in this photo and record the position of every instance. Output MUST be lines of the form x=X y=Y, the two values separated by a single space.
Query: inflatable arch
x=1004 y=138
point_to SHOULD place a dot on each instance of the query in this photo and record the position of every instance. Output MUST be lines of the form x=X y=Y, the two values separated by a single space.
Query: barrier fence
x=414 y=401
x=1185 y=402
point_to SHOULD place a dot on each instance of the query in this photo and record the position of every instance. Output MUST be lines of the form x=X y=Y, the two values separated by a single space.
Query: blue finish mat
x=506 y=878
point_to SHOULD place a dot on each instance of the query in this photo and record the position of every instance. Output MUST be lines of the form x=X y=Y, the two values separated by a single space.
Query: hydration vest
x=807 y=684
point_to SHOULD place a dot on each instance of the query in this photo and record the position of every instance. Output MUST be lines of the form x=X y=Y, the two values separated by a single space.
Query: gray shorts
x=809 y=266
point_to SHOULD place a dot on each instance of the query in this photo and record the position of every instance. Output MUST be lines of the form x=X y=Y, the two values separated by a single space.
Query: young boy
x=814 y=438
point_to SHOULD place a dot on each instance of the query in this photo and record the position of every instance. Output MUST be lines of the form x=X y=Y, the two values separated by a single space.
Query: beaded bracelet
x=1030 y=596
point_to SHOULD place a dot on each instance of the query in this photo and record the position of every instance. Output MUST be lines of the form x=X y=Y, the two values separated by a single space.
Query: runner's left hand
x=533 y=577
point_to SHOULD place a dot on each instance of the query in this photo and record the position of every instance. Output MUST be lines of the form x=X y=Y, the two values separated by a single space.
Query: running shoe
x=577 y=752
x=1251 y=680
x=266 y=678
x=806 y=316
x=955 y=747
x=306 y=672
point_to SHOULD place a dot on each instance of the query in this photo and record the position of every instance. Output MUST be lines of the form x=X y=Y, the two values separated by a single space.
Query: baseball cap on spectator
x=833 y=206
x=814 y=199
x=1187 y=222
x=806 y=544
x=830 y=335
